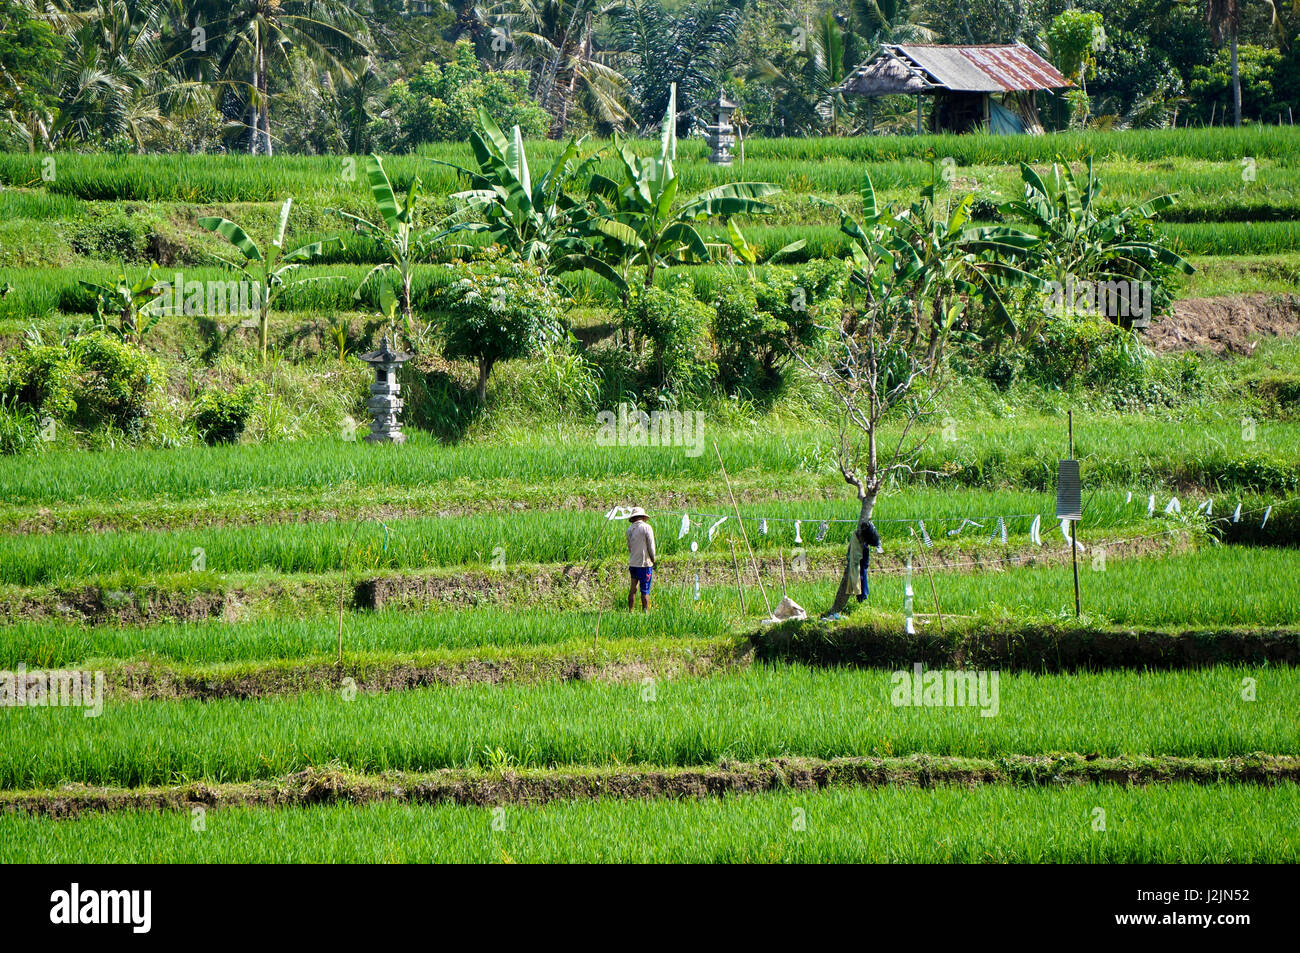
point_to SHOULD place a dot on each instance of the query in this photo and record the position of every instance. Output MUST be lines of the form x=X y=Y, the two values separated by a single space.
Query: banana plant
x=270 y=273
x=1078 y=239
x=537 y=220
x=639 y=215
x=126 y=308
x=939 y=259
x=742 y=251
x=399 y=232
x=948 y=260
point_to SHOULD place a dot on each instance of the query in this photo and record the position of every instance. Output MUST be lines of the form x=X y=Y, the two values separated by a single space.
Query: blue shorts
x=644 y=575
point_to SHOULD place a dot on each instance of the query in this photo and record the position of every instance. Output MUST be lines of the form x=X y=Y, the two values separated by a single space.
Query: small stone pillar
x=722 y=136
x=384 y=404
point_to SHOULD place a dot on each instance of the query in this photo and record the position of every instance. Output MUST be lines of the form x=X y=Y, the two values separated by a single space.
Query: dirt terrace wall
x=1038 y=648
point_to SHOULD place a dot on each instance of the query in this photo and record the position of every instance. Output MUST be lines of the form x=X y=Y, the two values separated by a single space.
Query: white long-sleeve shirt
x=640 y=544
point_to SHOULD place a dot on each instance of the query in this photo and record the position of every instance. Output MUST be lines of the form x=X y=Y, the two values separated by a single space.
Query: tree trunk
x=484 y=369
x=265 y=105
x=264 y=329
x=849 y=582
x=252 y=110
x=561 y=99
x=1236 y=80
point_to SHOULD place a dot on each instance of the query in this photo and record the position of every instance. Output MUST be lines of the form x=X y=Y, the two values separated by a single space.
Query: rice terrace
x=469 y=442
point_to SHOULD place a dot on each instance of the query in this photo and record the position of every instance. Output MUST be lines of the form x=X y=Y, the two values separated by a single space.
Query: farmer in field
x=868 y=539
x=640 y=557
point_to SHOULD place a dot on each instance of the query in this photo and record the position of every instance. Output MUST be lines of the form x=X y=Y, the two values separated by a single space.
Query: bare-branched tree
x=912 y=276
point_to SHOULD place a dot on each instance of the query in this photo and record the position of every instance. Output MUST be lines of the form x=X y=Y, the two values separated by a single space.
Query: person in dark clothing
x=868 y=539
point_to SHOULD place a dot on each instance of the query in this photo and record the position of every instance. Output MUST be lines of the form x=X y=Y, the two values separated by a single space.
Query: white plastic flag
x=714 y=528
x=1065 y=531
x=1266 y=512
x=907 y=598
x=697 y=587
x=1129 y=498
x=1205 y=507
x=1236 y=514
x=821 y=531
x=925 y=537
x=1001 y=531
x=762 y=526
x=686 y=525
x=1173 y=506
x=1151 y=505
x=1035 y=529
x=963 y=525
x=797 y=538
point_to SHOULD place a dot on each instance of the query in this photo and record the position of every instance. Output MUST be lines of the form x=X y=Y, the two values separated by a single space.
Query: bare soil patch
x=1229 y=325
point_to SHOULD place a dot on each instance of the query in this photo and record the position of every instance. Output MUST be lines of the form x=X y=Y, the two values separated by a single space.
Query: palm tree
x=113 y=72
x=470 y=20
x=692 y=46
x=254 y=32
x=1224 y=16
x=808 y=100
x=555 y=40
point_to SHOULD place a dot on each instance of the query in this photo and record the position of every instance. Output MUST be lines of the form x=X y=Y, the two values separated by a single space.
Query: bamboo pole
x=736 y=567
x=743 y=534
x=933 y=591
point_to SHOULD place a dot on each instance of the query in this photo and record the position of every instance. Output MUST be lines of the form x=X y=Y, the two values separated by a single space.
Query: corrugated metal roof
x=1015 y=68
x=948 y=67
x=971 y=69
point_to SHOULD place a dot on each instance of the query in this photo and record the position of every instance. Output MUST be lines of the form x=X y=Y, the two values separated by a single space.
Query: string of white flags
x=805 y=530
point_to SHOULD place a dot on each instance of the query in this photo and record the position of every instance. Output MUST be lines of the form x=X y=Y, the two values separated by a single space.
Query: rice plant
x=1177 y=823
x=754 y=714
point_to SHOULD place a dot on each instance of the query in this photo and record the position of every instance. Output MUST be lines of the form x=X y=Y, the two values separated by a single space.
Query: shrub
x=1279 y=392
x=221 y=415
x=92 y=381
x=758 y=323
x=507 y=312
x=114 y=382
x=111 y=234
x=676 y=324
x=42 y=379
x=1067 y=347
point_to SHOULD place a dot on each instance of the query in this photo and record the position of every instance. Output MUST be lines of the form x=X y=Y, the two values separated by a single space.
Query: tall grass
x=1215 y=587
x=561 y=536
x=1178 y=823
x=1234 y=238
x=61 y=644
x=1020 y=452
x=759 y=713
x=833 y=163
